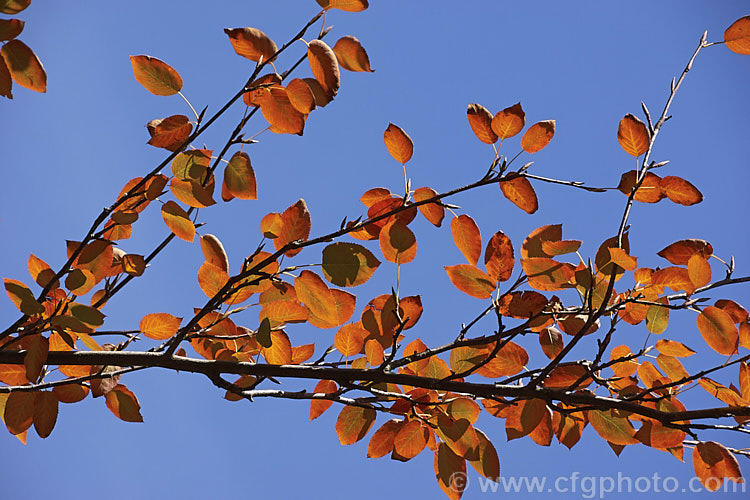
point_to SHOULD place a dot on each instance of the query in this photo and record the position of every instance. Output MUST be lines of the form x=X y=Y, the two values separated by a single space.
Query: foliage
x=542 y=291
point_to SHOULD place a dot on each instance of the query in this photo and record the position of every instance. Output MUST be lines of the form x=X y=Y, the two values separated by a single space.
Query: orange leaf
x=676 y=278
x=214 y=252
x=498 y=257
x=70 y=393
x=467 y=238
x=399 y=144
x=271 y=225
x=324 y=66
x=301 y=96
x=160 y=326
x=353 y=423
x=745 y=380
x=561 y=247
x=328 y=307
x=374 y=195
x=158 y=77
x=321 y=97
x=718 y=330
x=699 y=270
x=10 y=28
x=433 y=212
x=13 y=6
x=96 y=257
x=713 y=463
x=345 y=5
x=480 y=120
x=650 y=190
x=19 y=411
x=24 y=66
x=679 y=252
x=471 y=280
x=509 y=360
x=509 y=122
x=211 y=278
x=565 y=375
x=397 y=242
x=633 y=135
x=295 y=226
x=123 y=403
x=737 y=36
x=22 y=297
x=251 y=43
x=133 y=264
x=350 y=339
x=538 y=136
x=547 y=274
x=374 y=352
x=450 y=471
x=6 y=81
x=318 y=406
x=410 y=440
x=673 y=348
x=348 y=264
x=282 y=312
x=36 y=357
x=551 y=341
x=351 y=55
x=278 y=110
x=239 y=177
x=519 y=191
x=40 y=271
x=657 y=317
x=280 y=352
x=13 y=375
x=169 y=133
x=178 y=221
x=680 y=191
x=381 y=442
x=612 y=427
x=259 y=87
x=45 y=413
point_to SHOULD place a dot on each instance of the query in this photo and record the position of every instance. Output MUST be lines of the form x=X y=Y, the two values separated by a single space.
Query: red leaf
x=498 y=257
x=169 y=133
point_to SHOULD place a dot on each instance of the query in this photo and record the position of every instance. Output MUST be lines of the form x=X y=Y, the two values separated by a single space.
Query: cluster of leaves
x=434 y=395
x=18 y=62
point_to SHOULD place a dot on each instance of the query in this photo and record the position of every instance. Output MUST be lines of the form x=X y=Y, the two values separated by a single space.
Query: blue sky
x=585 y=64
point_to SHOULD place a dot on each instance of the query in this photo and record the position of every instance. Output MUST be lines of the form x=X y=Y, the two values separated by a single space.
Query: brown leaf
x=6 y=81
x=679 y=252
x=348 y=264
x=45 y=413
x=650 y=190
x=124 y=404
x=633 y=135
x=158 y=77
x=10 y=28
x=498 y=257
x=538 y=136
x=24 y=66
x=480 y=120
x=737 y=36
x=239 y=177
x=13 y=6
x=399 y=144
x=251 y=43
x=351 y=55
x=169 y=133
x=324 y=66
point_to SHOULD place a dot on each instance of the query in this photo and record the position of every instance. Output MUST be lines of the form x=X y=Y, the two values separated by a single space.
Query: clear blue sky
x=67 y=153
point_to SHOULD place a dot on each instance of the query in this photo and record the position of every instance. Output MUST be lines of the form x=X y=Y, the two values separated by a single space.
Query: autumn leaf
x=718 y=330
x=22 y=297
x=713 y=463
x=499 y=257
x=411 y=439
x=480 y=120
x=381 y=442
x=10 y=28
x=295 y=226
x=351 y=55
x=633 y=135
x=353 y=423
x=737 y=36
x=450 y=471
x=397 y=242
x=467 y=238
x=6 y=81
x=169 y=133
x=399 y=144
x=45 y=413
x=278 y=110
x=538 y=136
x=612 y=427
x=324 y=66
x=239 y=177
x=680 y=191
x=159 y=326
x=509 y=122
x=178 y=221
x=345 y=5
x=471 y=280
x=214 y=252
x=348 y=264
x=124 y=404
x=13 y=6
x=318 y=406
x=650 y=190
x=433 y=212
x=519 y=191
x=680 y=252
x=301 y=96
x=673 y=348
x=40 y=271
x=158 y=77
x=251 y=43
x=24 y=66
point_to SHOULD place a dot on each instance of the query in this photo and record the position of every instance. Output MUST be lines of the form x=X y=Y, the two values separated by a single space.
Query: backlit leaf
x=169 y=133
x=36 y=357
x=713 y=463
x=433 y=212
x=239 y=177
x=633 y=135
x=301 y=96
x=737 y=36
x=295 y=226
x=650 y=190
x=509 y=122
x=214 y=252
x=324 y=66
x=123 y=403
x=612 y=427
x=13 y=374
x=158 y=77
x=679 y=252
x=547 y=274
x=498 y=257
x=399 y=144
x=538 y=136
x=397 y=242
x=551 y=341
x=561 y=247
x=353 y=423
x=345 y=5
x=10 y=28
x=657 y=317
x=321 y=97
x=6 y=82
x=251 y=43
x=19 y=411
x=509 y=360
x=260 y=87
x=45 y=413
x=680 y=191
x=13 y=6
x=480 y=120
x=566 y=375
x=411 y=439
x=70 y=393
x=280 y=352
x=467 y=238
x=673 y=348
x=450 y=471
x=133 y=264
x=278 y=110
x=318 y=406
x=471 y=280
x=328 y=307
x=22 y=297
x=350 y=338
x=159 y=326
x=348 y=264
x=699 y=270
x=40 y=271
x=519 y=191
x=24 y=66
x=178 y=221
x=351 y=55
x=381 y=442
x=718 y=330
